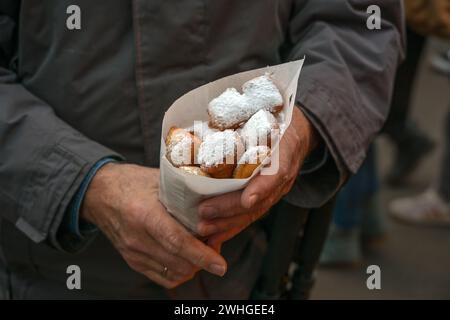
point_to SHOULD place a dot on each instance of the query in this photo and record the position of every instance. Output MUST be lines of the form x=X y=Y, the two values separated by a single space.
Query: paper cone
x=181 y=192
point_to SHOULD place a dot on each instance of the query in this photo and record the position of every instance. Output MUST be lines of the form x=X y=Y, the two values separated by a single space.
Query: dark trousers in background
x=444 y=178
x=295 y=235
x=398 y=127
x=353 y=201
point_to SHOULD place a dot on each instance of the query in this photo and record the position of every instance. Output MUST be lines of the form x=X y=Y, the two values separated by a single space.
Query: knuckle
x=136 y=213
x=135 y=207
x=203 y=232
x=174 y=243
x=200 y=259
x=130 y=243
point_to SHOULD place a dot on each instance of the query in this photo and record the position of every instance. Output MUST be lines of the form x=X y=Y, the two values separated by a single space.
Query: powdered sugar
x=257 y=129
x=181 y=152
x=254 y=155
x=263 y=92
x=201 y=129
x=176 y=135
x=219 y=147
x=231 y=108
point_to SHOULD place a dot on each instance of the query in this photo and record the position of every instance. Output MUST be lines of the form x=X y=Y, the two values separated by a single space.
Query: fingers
x=176 y=264
x=218 y=239
x=260 y=188
x=154 y=270
x=217 y=246
x=161 y=280
x=226 y=205
x=240 y=202
x=208 y=228
x=264 y=186
x=271 y=187
x=198 y=254
x=155 y=277
x=177 y=241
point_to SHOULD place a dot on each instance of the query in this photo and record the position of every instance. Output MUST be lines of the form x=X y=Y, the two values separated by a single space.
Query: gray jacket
x=71 y=97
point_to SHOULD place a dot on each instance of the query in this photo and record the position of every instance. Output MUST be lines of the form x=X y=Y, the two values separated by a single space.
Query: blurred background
x=409 y=239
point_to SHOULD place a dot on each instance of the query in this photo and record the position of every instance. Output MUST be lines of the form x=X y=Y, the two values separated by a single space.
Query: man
x=80 y=120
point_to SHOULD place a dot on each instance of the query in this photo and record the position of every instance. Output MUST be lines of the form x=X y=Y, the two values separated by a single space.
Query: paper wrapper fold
x=181 y=192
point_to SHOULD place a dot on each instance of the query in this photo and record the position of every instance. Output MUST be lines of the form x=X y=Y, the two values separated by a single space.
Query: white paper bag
x=181 y=192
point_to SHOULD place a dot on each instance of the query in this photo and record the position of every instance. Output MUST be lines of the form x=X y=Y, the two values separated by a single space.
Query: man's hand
x=122 y=200
x=225 y=216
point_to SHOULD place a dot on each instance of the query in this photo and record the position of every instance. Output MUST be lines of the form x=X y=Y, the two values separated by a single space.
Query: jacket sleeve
x=346 y=84
x=42 y=159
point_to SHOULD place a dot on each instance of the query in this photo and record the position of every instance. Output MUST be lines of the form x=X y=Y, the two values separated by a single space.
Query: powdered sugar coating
x=254 y=155
x=231 y=108
x=201 y=129
x=175 y=135
x=180 y=153
x=194 y=170
x=219 y=147
x=263 y=92
x=257 y=129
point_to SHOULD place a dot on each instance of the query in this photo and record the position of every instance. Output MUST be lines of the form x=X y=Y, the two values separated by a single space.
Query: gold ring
x=164 y=272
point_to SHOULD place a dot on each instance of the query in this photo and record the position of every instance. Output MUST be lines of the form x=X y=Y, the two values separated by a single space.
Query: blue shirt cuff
x=77 y=226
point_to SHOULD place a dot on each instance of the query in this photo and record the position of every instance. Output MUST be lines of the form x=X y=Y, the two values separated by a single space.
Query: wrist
x=95 y=193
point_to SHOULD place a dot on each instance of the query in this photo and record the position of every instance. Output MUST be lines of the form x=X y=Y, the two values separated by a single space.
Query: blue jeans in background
x=352 y=201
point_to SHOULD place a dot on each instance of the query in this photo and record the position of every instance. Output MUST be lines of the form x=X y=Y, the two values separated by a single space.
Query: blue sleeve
x=74 y=232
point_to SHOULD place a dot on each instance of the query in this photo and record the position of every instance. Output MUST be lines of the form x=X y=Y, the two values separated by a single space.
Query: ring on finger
x=164 y=271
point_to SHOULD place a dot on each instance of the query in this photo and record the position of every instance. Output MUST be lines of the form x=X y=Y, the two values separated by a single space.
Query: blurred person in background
x=411 y=143
x=433 y=19
x=357 y=218
x=431 y=207
x=424 y=17
x=441 y=62
x=357 y=215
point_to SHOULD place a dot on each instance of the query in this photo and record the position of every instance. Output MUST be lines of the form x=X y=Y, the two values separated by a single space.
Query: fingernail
x=208 y=212
x=252 y=200
x=217 y=269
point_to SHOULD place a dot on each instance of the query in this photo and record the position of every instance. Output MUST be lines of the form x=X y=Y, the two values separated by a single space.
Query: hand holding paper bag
x=225 y=216
x=122 y=200
x=181 y=192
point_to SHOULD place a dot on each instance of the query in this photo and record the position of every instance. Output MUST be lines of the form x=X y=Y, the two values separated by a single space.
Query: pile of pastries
x=238 y=136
